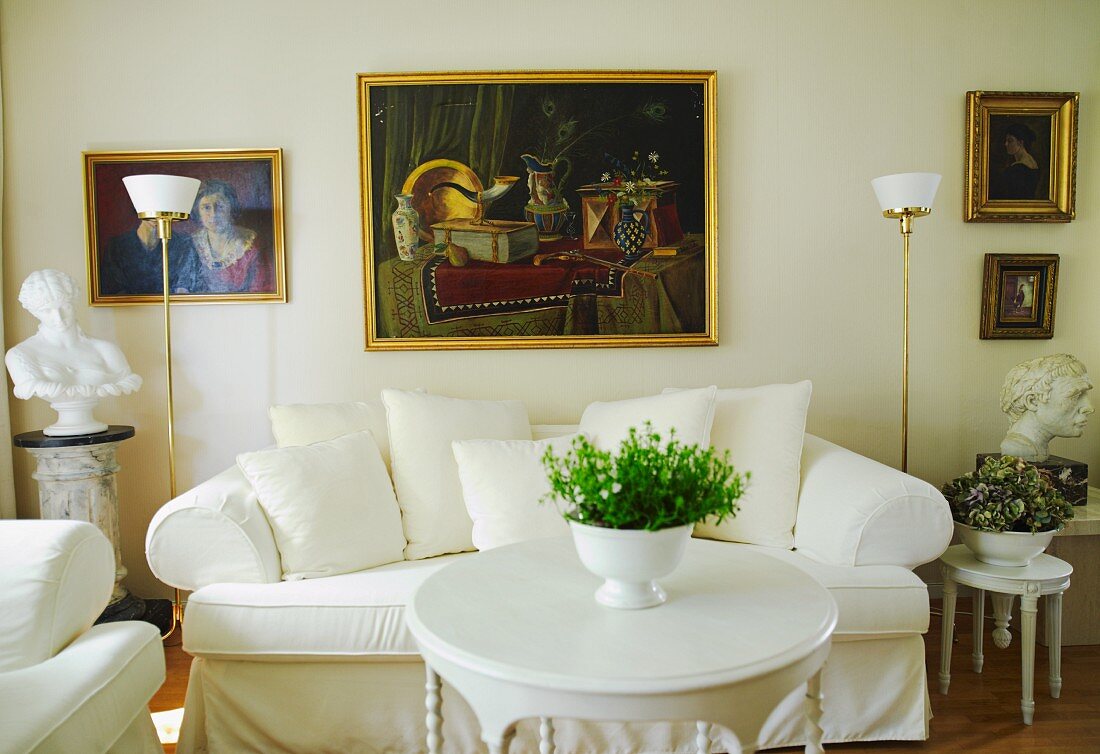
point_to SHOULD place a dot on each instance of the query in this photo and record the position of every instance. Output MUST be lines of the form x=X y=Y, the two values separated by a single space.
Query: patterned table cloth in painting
x=429 y=298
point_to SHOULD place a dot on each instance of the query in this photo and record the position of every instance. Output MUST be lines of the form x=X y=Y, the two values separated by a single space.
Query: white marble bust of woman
x=60 y=363
x=1044 y=398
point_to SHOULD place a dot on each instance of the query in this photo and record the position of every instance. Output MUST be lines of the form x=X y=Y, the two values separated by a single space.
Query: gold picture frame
x=1019 y=293
x=230 y=250
x=1021 y=157
x=507 y=242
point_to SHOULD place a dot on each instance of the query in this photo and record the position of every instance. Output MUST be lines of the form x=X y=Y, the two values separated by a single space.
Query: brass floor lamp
x=903 y=196
x=166 y=199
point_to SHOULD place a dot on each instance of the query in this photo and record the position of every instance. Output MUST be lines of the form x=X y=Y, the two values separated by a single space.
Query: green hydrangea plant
x=1007 y=494
x=647 y=484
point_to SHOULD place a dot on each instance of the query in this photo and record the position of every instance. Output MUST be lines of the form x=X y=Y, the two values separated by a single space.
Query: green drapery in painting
x=463 y=122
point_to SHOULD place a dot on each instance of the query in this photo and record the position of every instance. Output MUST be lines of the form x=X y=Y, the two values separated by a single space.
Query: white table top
x=527 y=613
x=1043 y=568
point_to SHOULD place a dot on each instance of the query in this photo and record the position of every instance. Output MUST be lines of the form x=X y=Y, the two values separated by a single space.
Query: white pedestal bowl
x=1004 y=548
x=630 y=561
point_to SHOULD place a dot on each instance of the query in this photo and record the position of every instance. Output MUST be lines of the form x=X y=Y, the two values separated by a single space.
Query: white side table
x=1046 y=576
x=518 y=633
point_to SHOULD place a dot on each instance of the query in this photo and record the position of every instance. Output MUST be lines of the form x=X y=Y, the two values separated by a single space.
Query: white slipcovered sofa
x=66 y=685
x=328 y=665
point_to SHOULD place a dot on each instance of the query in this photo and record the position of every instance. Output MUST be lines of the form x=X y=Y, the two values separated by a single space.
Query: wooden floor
x=981 y=714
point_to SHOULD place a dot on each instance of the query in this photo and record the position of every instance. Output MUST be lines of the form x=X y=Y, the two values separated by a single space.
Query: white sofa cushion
x=763 y=429
x=350 y=615
x=503 y=483
x=691 y=412
x=306 y=423
x=363 y=614
x=425 y=475
x=55 y=577
x=330 y=505
x=872 y=601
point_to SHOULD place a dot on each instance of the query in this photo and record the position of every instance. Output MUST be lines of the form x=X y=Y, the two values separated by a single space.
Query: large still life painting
x=229 y=250
x=538 y=209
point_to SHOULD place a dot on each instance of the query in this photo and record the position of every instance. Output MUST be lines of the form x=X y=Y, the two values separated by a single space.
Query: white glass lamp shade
x=902 y=190
x=161 y=193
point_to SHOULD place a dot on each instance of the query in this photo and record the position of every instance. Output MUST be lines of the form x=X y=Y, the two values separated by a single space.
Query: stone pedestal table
x=76 y=480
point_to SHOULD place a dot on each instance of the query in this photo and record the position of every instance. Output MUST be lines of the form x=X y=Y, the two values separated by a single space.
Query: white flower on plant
x=605 y=177
x=603 y=494
x=653 y=157
x=629 y=186
x=616 y=488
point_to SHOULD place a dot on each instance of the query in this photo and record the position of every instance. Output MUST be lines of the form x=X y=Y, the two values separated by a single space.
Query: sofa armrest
x=55 y=579
x=213 y=533
x=855 y=511
x=84 y=697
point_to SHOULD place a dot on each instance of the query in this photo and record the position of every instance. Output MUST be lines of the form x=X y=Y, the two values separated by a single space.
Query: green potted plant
x=1007 y=511
x=632 y=512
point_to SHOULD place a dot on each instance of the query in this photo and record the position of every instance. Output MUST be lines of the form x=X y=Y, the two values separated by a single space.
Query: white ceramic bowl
x=1004 y=548
x=630 y=561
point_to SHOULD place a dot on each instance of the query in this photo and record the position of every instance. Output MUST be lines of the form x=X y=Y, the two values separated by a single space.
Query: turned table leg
x=546 y=735
x=977 y=657
x=812 y=713
x=948 y=629
x=702 y=737
x=1028 y=606
x=1054 y=642
x=1002 y=616
x=434 y=703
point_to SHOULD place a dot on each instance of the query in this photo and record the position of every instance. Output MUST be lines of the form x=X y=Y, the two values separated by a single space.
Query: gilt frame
x=376 y=208
x=1010 y=312
x=254 y=176
x=1050 y=119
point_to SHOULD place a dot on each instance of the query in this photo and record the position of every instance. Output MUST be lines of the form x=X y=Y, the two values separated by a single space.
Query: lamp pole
x=903 y=196
x=905 y=215
x=164 y=232
x=165 y=199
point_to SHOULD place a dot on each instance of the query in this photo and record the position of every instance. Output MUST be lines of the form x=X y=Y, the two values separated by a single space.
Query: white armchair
x=66 y=685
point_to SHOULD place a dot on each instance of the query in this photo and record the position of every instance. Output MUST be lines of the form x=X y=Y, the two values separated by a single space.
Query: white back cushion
x=762 y=428
x=425 y=475
x=306 y=423
x=503 y=482
x=330 y=505
x=691 y=412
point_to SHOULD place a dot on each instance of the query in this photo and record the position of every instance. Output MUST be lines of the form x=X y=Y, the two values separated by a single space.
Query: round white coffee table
x=519 y=634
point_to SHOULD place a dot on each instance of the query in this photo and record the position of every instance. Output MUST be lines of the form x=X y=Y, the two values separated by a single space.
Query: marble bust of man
x=1044 y=398
x=60 y=363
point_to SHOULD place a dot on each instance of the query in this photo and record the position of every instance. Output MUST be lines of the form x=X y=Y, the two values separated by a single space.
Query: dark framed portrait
x=1019 y=292
x=1021 y=156
x=229 y=250
x=543 y=209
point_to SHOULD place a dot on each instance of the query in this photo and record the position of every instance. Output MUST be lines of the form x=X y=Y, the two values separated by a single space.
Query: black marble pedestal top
x=155 y=611
x=38 y=439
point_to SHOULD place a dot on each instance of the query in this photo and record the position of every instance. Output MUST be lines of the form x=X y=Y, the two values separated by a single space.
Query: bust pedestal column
x=76 y=480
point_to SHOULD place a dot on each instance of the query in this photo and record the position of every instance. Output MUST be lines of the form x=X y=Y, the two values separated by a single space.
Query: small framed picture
x=1021 y=156
x=230 y=249
x=1018 y=296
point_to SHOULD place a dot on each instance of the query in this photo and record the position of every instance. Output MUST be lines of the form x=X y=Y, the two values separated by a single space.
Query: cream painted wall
x=815 y=99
